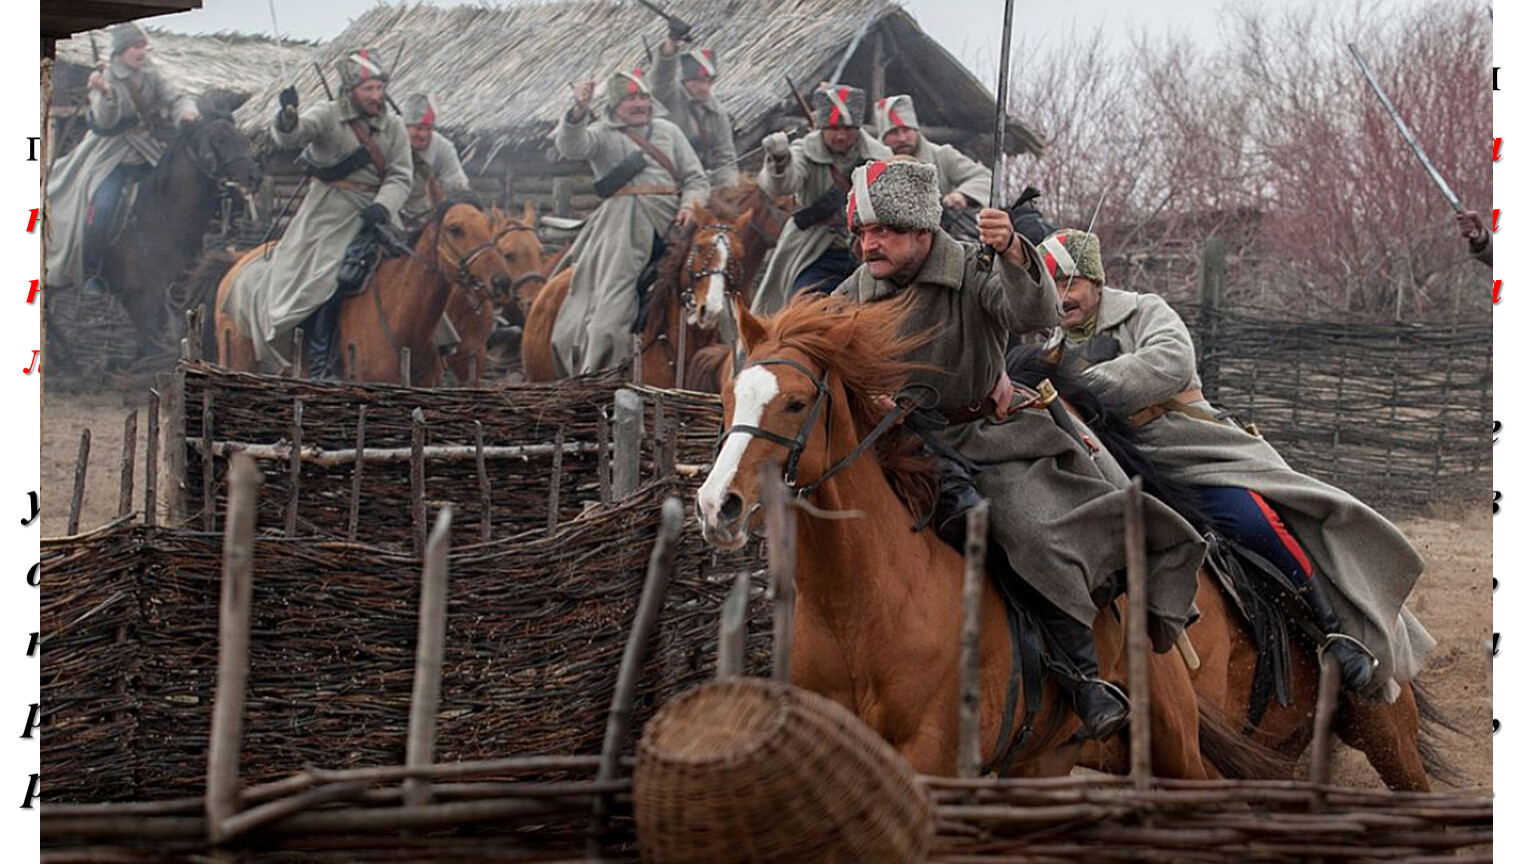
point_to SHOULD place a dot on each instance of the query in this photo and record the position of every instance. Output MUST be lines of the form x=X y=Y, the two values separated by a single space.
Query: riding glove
x=375 y=214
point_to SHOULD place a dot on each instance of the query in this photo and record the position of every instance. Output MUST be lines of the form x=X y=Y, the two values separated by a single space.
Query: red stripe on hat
x=429 y=118
x=894 y=118
x=1050 y=262
x=1281 y=531
x=851 y=207
x=875 y=170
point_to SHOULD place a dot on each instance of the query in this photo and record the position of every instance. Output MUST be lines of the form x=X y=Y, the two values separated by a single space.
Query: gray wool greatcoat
x=592 y=330
x=1365 y=558
x=955 y=171
x=706 y=124
x=806 y=176
x=273 y=294
x=1056 y=510
x=78 y=174
x=438 y=161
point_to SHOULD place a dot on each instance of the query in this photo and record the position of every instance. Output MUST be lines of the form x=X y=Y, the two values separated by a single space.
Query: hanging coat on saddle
x=1371 y=565
x=706 y=125
x=274 y=293
x=593 y=327
x=1055 y=510
x=811 y=171
x=119 y=134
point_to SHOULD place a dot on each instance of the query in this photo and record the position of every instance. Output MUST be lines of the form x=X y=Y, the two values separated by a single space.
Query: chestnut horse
x=694 y=279
x=401 y=303
x=1388 y=734
x=878 y=606
x=473 y=315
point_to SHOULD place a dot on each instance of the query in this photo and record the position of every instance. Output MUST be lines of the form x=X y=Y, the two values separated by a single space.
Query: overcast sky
x=973 y=35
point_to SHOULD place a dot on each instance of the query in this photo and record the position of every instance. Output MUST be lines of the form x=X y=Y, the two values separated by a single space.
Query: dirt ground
x=1453 y=598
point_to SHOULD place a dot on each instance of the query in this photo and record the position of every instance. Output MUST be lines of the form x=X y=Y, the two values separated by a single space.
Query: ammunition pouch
x=354 y=161
x=621 y=174
x=830 y=205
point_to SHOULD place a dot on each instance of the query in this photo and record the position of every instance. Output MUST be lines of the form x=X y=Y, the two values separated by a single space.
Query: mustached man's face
x=1079 y=298
x=368 y=97
x=903 y=140
x=633 y=110
x=893 y=254
x=420 y=136
x=839 y=138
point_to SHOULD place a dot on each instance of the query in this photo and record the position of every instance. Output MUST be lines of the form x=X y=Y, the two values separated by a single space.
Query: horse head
x=804 y=396
x=459 y=243
x=713 y=267
x=221 y=153
x=517 y=240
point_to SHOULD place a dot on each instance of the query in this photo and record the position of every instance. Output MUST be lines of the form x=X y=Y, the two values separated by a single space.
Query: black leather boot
x=1355 y=661
x=319 y=336
x=956 y=496
x=1102 y=707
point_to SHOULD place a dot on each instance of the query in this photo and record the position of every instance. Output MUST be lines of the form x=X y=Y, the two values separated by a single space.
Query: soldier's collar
x=1116 y=307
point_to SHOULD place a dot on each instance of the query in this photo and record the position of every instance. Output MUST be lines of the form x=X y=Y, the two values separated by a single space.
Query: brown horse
x=878 y=606
x=1388 y=734
x=401 y=303
x=694 y=280
x=473 y=315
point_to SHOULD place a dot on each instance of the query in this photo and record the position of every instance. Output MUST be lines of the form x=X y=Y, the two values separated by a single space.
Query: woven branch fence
x=536 y=629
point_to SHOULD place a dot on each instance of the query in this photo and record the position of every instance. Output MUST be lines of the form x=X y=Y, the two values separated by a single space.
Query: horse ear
x=529 y=214
x=744 y=221
x=752 y=331
x=497 y=215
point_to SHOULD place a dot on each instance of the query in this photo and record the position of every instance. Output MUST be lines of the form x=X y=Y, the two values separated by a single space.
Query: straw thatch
x=501 y=76
x=231 y=61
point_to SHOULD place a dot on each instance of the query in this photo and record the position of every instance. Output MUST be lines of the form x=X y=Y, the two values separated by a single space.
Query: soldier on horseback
x=1135 y=353
x=438 y=170
x=90 y=189
x=649 y=178
x=686 y=91
x=964 y=183
x=360 y=156
x=813 y=251
x=1056 y=523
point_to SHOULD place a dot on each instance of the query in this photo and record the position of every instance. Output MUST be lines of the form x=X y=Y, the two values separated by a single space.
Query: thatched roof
x=230 y=61
x=501 y=76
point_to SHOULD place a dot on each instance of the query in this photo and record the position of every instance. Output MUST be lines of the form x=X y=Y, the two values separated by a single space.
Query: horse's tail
x=705 y=371
x=1236 y=756
x=1434 y=725
x=202 y=292
x=1025 y=363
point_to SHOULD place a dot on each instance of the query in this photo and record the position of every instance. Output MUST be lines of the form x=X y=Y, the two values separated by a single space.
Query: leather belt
x=1178 y=403
x=352 y=186
x=647 y=190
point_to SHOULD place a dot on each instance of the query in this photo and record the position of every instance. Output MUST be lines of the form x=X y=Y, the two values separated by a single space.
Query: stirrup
x=1333 y=638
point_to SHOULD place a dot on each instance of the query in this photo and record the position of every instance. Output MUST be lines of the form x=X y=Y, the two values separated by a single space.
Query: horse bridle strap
x=530 y=276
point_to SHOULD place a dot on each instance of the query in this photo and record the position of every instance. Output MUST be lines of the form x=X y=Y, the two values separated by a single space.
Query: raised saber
x=1410 y=137
x=998 y=167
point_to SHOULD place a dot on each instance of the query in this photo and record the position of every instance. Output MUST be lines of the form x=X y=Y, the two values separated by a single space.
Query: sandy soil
x=1453 y=598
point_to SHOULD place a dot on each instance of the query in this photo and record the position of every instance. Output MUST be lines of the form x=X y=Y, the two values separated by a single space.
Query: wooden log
x=975 y=544
x=431 y=639
x=313 y=455
x=127 y=463
x=209 y=505
x=418 y=478
x=354 y=513
x=731 y=662
x=486 y=515
x=77 y=499
x=1138 y=637
x=406 y=378
x=628 y=422
x=1320 y=744
x=152 y=460
x=662 y=562
x=294 y=472
x=781 y=529
x=555 y=479
x=223 y=784
x=603 y=457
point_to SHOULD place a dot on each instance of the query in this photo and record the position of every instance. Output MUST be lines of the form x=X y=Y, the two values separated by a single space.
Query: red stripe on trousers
x=1281 y=531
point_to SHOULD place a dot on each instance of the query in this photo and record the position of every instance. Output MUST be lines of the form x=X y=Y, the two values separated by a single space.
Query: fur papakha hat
x=838 y=105
x=896 y=194
x=621 y=85
x=361 y=66
x=699 y=63
x=419 y=110
x=126 y=35
x=1072 y=252
x=895 y=112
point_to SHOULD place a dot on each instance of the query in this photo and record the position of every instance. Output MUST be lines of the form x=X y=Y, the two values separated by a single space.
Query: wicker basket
x=750 y=770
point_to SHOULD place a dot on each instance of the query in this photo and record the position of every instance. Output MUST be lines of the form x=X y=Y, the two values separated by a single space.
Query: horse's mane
x=868 y=364
x=726 y=203
x=667 y=287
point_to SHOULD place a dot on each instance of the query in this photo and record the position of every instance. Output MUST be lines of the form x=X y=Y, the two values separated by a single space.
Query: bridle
x=797 y=444
x=475 y=287
x=512 y=227
x=732 y=272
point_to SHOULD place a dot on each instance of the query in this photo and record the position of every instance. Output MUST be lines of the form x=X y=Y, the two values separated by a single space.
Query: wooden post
x=681 y=349
x=77 y=500
x=431 y=638
x=152 y=460
x=732 y=627
x=781 y=550
x=628 y=420
x=603 y=456
x=353 y=516
x=294 y=472
x=174 y=424
x=1138 y=636
x=1210 y=302
x=223 y=783
x=486 y=519
x=406 y=379
x=1320 y=745
x=418 y=478
x=194 y=334
x=638 y=358
x=662 y=561
x=657 y=450
x=556 y=476
x=298 y=344
x=209 y=505
x=969 y=654
x=351 y=361
x=127 y=463
x=473 y=371
x=564 y=189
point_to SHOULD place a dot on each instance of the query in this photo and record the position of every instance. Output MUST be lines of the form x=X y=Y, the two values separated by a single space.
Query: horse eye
x=455 y=230
x=796 y=406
